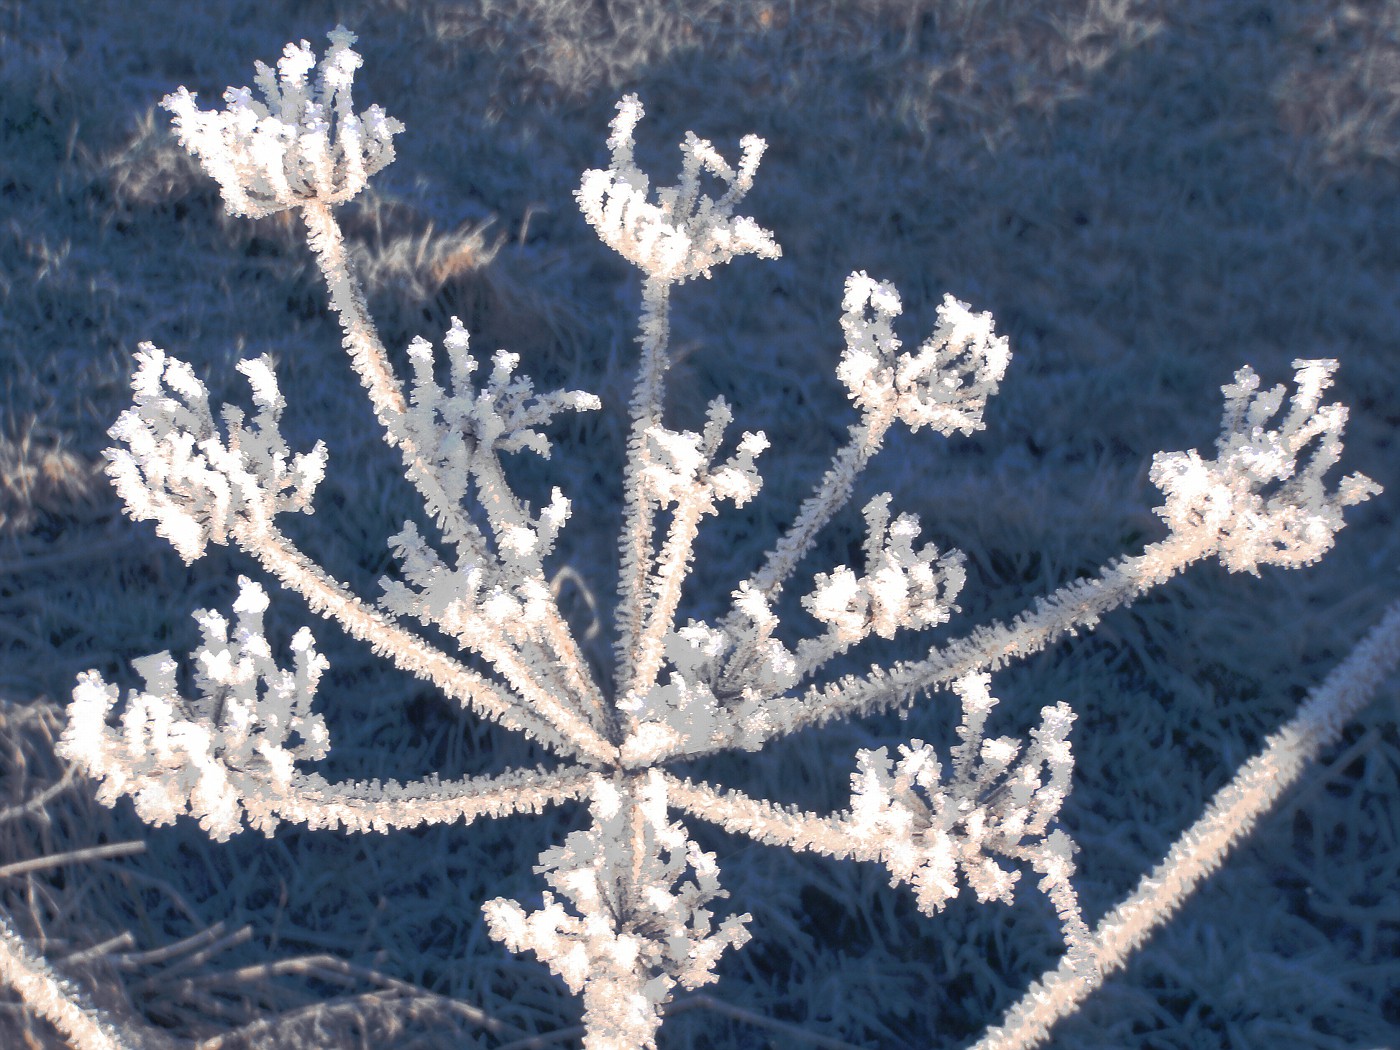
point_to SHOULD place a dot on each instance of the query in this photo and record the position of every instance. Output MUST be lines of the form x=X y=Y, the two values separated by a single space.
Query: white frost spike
x=684 y=234
x=681 y=463
x=1263 y=499
x=675 y=463
x=303 y=143
x=944 y=386
x=737 y=479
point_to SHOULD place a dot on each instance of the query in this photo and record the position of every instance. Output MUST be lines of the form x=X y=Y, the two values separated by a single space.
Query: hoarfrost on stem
x=628 y=914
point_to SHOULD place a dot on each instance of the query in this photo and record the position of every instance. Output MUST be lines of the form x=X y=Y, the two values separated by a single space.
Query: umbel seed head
x=305 y=143
x=682 y=234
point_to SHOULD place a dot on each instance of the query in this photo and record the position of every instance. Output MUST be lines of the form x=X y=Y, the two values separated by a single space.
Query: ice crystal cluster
x=629 y=913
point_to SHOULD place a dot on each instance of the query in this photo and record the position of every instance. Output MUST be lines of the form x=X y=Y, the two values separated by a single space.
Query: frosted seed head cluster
x=214 y=756
x=627 y=917
x=173 y=466
x=1264 y=498
x=683 y=233
x=945 y=385
x=302 y=142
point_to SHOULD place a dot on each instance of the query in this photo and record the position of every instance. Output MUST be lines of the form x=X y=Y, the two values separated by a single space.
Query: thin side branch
x=637 y=503
x=538 y=713
x=379 y=807
x=371 y=364
x=1075 y=606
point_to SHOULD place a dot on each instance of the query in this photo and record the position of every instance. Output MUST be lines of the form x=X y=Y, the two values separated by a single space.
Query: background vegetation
x=1145 y=194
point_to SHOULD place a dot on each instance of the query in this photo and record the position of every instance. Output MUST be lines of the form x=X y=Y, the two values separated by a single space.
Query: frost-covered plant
x=628 y=913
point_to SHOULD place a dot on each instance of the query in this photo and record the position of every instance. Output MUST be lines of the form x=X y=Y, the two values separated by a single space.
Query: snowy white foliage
x=629 y=916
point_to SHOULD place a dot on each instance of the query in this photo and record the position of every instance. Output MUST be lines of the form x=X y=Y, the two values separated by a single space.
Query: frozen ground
x=1145 y=195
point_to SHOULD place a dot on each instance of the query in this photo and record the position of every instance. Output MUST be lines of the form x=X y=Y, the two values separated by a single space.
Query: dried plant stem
x=1233 y=812
x=77 y=856
x=371 y=363
x=1074 y=607
x=52 y=998
x=333 y=600
x=637 y=502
